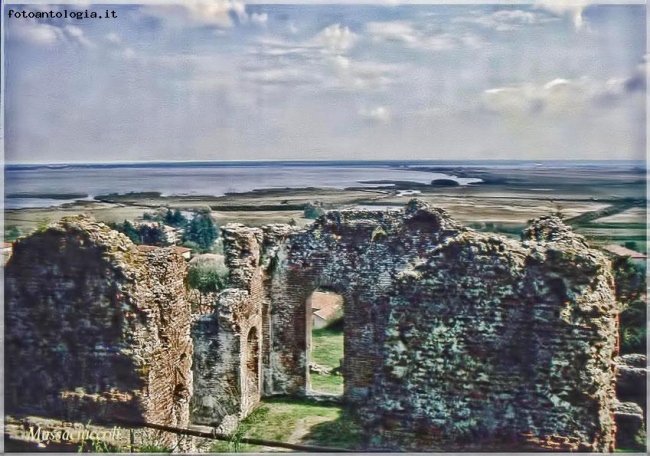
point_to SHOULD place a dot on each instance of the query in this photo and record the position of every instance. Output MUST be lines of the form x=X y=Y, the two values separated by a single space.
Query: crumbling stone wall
x=497 y=343
x=227 y=362
x=95 y=329
x=453 y=339
x=631 y=392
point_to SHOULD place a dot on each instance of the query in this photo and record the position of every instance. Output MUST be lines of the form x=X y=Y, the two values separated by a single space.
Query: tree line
x=199 y=232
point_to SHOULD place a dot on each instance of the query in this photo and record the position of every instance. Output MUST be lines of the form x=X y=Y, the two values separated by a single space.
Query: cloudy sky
x=230 y=81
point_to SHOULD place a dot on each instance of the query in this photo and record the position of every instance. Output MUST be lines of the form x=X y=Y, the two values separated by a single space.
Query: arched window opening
x=253 y=361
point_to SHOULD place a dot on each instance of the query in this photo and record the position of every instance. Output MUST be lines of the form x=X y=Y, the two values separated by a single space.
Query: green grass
x=327 y=350
x=153 y=449
x=614 y=226
x=303 y=422
x=294 y=421
x=342 y=432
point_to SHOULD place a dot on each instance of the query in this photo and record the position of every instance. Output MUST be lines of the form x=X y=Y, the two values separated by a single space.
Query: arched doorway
x=325 y=342
x=252 y=368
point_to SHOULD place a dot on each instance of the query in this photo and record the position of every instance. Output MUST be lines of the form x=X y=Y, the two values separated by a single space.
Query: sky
x=235 y=81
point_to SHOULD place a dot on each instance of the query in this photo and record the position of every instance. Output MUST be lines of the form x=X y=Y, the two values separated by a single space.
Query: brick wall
x=228 y=343
x=453 y=339
x=95 y=329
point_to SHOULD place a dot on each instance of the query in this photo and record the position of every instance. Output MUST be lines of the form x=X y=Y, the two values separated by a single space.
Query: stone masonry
x=228 y=343
x=454 y=339
x=96 y=330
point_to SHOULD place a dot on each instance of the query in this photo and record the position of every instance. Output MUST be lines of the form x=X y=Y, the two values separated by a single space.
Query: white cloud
x=396 y=31
x=292 y=82
x=259 y=18
x=292 y=28
x=277 y=47
x=238 y=9
x=77 y=34
x=408 y=35
x=113 y=38
x=340 y=62
x=442 y=42
x=200 y=14
x=638 y=80
x=555 y=83
x=282 y=76
x=471 y=41
x=332 y=40
x=378 y=114
x=561 y=96
x=127 y=53
x=350 y=74
x=197 y=15
x=506 y=20
x=36 y=33
x=42 y=34
x=574 y=9
x=510 y=100
x=335 y=39
x=556 y=96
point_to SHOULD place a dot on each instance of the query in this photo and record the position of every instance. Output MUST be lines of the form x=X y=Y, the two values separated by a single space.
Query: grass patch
x=327 y=350
x=294 y=421
x=331 y=384
x=343 y=432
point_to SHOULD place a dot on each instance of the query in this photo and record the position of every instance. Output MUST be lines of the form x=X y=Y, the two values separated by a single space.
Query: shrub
x=11 y=233
x=206 y=280
x=143 y=234
x=175 y=218
x=630 y=281
x=201 y=230
x=313 y=211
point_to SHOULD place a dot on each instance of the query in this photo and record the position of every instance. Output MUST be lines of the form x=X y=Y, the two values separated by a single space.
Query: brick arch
x=441 y=323
x=321 y=268
x=250 y=377
x=252 y=361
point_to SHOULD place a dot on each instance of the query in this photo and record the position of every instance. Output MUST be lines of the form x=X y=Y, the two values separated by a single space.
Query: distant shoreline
x=399 y=164
x=38 y=186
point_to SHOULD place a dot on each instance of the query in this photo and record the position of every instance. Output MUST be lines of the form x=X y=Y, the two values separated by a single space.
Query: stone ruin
x=95 y=329
x=454 y=339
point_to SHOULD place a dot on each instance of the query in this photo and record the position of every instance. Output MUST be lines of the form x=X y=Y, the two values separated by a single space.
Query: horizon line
x=125 y=162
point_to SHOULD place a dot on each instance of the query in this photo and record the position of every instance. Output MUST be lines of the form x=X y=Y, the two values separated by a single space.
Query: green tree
x=128 y=229
x=131 y=232
x=313 y=211
x=201 y=230
x=629 y=278
x=11 y=233
x=152 y=235
x=630 y=281
x=175 y=218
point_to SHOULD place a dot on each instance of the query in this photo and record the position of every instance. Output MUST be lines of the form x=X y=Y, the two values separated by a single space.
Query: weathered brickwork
x=95 y=329
x=453 y=339
x=227 y=361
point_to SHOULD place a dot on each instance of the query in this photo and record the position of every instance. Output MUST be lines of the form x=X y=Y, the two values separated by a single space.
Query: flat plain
x=605 y=203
